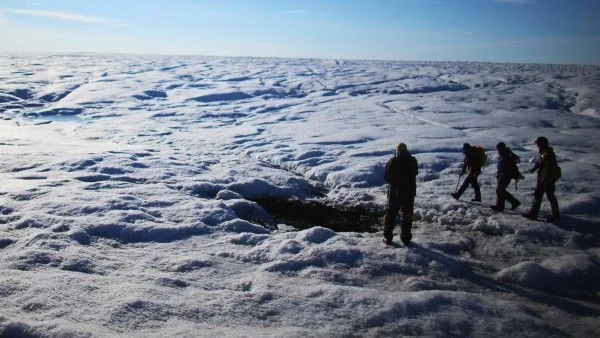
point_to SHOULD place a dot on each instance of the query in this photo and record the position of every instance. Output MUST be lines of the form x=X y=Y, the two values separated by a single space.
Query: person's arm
x=415 y=166
x=464 y=168
x=387 y=173
x=501 y=165
x=536 y=166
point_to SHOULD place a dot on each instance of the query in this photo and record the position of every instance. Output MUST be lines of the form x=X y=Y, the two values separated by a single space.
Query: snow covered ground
x=130 y=190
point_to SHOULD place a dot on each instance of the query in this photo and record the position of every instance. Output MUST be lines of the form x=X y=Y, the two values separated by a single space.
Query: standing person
x=507 y=170
x=473 y=161
x=400 y=172
x=548 y=173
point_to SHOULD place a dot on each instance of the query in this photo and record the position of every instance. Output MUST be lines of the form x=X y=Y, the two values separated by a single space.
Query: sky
x=532 y=31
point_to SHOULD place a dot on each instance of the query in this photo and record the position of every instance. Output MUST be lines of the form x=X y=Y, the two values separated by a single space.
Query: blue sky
x=540 y=31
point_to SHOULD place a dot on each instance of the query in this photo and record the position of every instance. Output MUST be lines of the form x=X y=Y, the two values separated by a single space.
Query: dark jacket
x=401 y=172
x=472 y=162
x=547 y=166
x=507 y=164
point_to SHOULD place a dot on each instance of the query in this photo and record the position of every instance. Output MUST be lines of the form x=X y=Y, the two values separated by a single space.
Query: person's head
x=401 y=148
x=501 y=147
x=542 y=143
x=466 y=147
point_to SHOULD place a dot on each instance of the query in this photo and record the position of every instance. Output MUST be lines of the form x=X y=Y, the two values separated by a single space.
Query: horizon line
x=293 y=57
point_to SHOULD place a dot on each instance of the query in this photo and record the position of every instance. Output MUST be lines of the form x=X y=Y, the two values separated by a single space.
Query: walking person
x=548 y=173
x=473 y=161
x=507 y=170
x=400 y=172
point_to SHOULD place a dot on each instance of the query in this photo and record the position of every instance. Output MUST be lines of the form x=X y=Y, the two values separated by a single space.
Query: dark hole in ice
x=303 y=214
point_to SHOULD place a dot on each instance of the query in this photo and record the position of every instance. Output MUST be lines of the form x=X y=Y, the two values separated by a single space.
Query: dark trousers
x=470 y=180
x=544 y=187
x=502 y=195
x=397 y=202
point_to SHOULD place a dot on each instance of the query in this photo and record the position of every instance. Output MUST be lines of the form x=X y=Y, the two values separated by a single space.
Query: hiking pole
x=456 y=189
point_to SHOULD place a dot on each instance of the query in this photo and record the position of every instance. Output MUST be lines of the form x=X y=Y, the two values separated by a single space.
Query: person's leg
x=476 y=187
x=463 y=186
x=407 y=219
x=500 y=195
x=540 y=190
x=389 y=222
x=507 y=196
x=514 y=202
x=550 y=188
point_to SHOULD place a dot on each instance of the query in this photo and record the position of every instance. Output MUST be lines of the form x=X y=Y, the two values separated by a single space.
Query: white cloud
x=2 y=19
x=121 y=25
x=65 y=16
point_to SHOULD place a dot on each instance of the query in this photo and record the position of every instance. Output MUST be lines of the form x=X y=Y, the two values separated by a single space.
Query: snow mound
x=583 y=204
x=532 y=275
x=15 y=328
x=228 y=195
x=582 y=270
x=317 y=257
x=316 y=234
x=187 y=264
x=239 y=226
x=395 y=316
x=129 y=233
x=251 y=212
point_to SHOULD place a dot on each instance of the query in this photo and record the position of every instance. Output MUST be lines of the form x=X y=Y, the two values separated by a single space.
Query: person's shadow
x=582 y=226
x=552 y=297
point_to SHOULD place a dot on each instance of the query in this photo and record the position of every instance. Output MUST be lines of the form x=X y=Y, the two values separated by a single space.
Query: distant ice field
x=195 y=196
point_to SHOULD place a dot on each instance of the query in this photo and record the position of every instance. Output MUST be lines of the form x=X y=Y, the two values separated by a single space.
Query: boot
x=496 y=208
x=387 y=239
x=406 y=237
x=405 y=234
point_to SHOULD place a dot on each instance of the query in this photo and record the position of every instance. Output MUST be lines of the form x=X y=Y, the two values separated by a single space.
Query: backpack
x=402 y=168
x=555 y=173
x=479 y=157
x=388 y=171
x=513 y=160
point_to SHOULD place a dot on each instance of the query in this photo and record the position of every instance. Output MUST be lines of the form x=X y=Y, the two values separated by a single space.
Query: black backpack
x=400 y=168
x=555 y=173
x=513 y=160
x=479 y=156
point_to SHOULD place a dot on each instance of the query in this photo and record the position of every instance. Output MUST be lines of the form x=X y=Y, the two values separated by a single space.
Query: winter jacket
x=401 y=172
x=507 y=164
x=472 y=162
x=547 y=166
